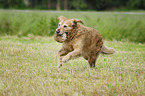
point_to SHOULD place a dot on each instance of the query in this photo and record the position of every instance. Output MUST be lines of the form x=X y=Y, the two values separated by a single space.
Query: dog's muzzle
x=58 y=33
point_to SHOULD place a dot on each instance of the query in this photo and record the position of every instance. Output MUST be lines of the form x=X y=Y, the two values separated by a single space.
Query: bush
x=5 y=25
x=111 y=26
x=53 y=25
x=22 y=25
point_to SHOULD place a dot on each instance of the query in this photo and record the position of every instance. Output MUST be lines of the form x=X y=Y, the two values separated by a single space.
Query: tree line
x=73 y=4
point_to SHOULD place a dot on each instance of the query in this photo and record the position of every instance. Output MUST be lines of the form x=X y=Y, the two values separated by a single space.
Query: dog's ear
x=60 y=18
x=78 y=20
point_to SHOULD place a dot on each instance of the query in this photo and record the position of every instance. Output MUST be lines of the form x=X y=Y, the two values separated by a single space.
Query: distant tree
x=136 y=4
x=12 y=4
x=58 y=5
x=106 y=4
x=65 y=4
x=35 y=3
x=27 y=3
x=73 y=4
x=78 y=4
x=49 y=4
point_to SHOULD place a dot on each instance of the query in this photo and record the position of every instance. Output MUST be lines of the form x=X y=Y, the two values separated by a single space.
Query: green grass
x=111 y=25
x=28 y=67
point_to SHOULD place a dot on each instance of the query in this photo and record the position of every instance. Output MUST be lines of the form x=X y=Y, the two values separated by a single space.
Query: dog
x=78 y=40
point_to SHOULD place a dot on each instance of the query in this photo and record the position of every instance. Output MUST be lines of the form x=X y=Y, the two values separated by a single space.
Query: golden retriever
x=78 y=40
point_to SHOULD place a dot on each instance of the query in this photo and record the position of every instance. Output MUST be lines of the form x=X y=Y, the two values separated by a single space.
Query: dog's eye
x=58 y=24
x=64 y=26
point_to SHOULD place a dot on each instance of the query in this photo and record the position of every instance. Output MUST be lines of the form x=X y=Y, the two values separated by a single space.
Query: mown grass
x=28 y=67
x=119 y=26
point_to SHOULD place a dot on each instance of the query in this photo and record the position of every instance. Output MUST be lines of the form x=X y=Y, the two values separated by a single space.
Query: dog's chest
x=68 y=46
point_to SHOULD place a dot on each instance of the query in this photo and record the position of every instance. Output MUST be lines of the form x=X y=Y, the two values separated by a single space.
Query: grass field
x=28 y=67
x=112 y=25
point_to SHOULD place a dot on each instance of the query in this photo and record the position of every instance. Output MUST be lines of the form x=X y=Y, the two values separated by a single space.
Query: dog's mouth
x=61 y=35
x=66 y=33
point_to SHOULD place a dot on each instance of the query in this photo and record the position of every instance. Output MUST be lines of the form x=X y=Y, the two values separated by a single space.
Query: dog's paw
x=59 y=65
x=65 y=58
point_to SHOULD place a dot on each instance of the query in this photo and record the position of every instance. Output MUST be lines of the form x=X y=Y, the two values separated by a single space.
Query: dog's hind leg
x=92 y=60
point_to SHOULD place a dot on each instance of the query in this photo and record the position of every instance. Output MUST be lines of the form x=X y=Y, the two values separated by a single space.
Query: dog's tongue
x=64 y=36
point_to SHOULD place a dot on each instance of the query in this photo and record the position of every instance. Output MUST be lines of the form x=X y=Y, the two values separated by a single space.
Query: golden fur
x=78 y=40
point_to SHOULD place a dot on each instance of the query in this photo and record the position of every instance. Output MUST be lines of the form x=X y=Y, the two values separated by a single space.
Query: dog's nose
x=57 y=31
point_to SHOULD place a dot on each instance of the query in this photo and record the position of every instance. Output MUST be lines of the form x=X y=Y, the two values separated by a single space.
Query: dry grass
x=28 y=67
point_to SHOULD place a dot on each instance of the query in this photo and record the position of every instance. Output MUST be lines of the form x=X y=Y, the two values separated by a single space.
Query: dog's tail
x=106 y=50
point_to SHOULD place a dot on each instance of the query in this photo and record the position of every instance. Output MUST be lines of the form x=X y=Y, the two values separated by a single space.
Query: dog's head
x=65 y=27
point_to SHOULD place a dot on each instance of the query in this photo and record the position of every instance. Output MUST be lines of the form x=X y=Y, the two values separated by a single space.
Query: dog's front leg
x=59 y=54
x=71 y=55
